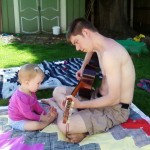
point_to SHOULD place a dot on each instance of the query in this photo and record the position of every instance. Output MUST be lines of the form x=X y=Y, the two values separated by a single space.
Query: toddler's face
x=35 y=83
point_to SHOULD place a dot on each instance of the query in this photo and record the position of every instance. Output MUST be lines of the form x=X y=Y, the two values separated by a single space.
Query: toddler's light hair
x=28 y=72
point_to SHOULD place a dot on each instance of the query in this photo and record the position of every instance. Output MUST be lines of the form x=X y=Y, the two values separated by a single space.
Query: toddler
x=24 y=111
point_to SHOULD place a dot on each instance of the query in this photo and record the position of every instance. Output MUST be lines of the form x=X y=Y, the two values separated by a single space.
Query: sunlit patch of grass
x=16 y=54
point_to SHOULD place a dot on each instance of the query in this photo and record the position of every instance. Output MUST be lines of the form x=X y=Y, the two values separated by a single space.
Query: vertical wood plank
x=75 y=8
x=0 y=15
x=5 y=16
x=11 y=16
x=8 y=16
x=82 y=8
x=69 y=11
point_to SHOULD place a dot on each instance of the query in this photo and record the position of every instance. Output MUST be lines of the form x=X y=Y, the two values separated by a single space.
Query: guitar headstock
x=69 y=101
x=67 y=110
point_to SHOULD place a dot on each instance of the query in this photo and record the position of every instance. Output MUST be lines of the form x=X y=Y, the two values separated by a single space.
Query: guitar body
x=88 y=77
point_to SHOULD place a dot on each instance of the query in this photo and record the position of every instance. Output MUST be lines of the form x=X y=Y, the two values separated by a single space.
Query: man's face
x=81 y=42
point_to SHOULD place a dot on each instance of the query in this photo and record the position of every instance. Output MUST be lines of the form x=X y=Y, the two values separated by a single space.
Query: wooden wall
x=11 y=16
x=8 y=22
x=141 y=15
x=0 y=16
x=74 y=9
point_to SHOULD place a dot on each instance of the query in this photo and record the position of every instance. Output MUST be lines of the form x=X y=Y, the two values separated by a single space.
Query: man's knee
x=56 y=91
x=59 y=89
x=62 y=126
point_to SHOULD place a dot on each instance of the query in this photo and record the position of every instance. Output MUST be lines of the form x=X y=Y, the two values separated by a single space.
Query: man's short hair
x=76 y=27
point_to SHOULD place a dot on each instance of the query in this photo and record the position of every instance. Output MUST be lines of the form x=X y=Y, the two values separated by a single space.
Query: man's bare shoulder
x=117 y=51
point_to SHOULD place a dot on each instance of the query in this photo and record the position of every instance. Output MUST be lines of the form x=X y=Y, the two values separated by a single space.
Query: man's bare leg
x=75 y=135
x=76 y=138
x=77 y=129
x=59 y=95
x=47 y=101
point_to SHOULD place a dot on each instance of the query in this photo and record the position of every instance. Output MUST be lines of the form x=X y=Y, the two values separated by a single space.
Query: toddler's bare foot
x=47 y=101
x=52 y=114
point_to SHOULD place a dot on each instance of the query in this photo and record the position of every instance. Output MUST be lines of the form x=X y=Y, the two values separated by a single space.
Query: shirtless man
x=117 y=87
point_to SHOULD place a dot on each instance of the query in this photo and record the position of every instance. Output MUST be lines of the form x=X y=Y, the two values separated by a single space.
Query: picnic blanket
x=56 y=73
x=131 y=135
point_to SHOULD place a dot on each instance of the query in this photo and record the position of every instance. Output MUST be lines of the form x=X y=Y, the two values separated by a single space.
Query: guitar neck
x=69 y=100
x=76 y=89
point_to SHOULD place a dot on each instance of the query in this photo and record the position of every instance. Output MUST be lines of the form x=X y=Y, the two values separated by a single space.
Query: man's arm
x=104 y=86
x=112 y=70
x=86 y=60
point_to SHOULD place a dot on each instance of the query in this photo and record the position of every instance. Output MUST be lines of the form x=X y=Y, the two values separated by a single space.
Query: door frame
x=0 y=15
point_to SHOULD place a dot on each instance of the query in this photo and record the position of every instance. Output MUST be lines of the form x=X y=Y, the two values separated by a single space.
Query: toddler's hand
x=43 y=117
x=52 y=114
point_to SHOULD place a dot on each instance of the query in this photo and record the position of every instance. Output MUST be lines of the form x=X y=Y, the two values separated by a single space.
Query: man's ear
x=85 y=32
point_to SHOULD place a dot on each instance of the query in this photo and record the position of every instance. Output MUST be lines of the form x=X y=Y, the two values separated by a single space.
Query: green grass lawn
x=13 y=55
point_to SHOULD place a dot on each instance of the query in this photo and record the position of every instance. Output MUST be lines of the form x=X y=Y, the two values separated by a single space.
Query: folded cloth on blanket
x=131 y=135
x=56 y=73
x=144 y=84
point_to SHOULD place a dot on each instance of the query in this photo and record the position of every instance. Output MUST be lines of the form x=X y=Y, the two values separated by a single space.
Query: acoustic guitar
x=88 y=77
x=69 y=100
x=84 y=86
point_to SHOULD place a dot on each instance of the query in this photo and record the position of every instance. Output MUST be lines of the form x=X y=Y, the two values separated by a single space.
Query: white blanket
x=56 y=73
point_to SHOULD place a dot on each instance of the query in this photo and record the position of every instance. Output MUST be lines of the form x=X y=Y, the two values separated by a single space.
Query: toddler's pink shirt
x=24 y=107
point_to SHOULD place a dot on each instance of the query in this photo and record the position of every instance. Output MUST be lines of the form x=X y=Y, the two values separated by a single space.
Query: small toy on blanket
x=56 y=73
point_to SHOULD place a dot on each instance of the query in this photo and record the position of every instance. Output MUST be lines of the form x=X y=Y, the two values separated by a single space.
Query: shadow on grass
x=17 y=54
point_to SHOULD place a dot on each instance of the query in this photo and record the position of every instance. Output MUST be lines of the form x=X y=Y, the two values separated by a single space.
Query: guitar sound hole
x=86 y=93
